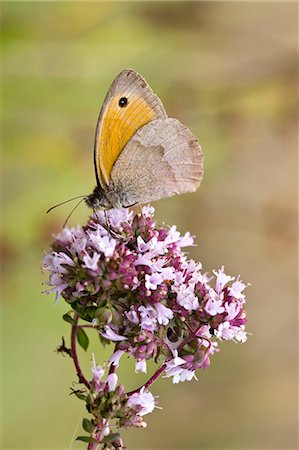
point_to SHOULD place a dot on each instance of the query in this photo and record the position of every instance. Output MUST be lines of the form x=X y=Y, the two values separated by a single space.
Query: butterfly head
x=98 y=199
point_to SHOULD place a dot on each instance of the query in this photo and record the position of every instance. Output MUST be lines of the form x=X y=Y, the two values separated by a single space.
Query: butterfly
x=140 y=154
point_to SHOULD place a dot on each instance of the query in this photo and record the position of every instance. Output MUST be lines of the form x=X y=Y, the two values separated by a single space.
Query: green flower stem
x=74 y=352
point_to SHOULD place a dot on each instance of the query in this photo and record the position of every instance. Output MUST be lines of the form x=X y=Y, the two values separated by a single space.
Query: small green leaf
x=68 y=318
x=82 y=338
x=83 y=438
x=83 y=311
x=88 y=425
x=111 y=437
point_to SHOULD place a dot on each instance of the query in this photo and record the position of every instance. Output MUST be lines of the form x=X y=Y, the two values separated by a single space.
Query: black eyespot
x=123 y=102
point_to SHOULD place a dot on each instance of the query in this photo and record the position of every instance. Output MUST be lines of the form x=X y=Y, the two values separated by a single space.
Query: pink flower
x=106 y=427
x=237 y=288
x=221 y=280
x=148 y=211
x=232 y=310
x=172 y=236
x=103 y=244
x=152 y=281
x=144 y=259
x=214 y=305
x=186 y=241
x=167 y=273
x=59 y=286
x=140 y=366
x=132 y=315
x=78 y=246
x=144 y=399
x=174 y=369
x=148 y=317
x=111 y=335
x=91 y=262
x=153 y=246
x=164 y=314
x=141 y=245
x=97 y=371
x=111 y=381
x=114 y=359
x=119 y=216
x=179 y=278
x=56 y=261
x=226 y=331
x=69 y=235
x=186 y=297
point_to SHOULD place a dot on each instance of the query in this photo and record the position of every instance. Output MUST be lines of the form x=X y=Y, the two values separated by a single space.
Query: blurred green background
x=228 y=71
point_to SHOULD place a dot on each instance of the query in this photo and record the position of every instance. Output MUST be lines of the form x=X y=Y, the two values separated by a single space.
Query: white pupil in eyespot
x=123 y=102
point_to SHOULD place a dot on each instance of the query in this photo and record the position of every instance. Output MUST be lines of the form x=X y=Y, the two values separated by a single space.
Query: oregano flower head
x=133 y=283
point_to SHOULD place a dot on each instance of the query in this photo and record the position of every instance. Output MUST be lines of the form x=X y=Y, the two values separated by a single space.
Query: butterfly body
x=116 y=197
x=140 y=154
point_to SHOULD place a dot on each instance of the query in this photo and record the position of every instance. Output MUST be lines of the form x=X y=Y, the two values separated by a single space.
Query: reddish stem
x=97 y=437
x=190 y=337
x=112 y=368
x=74 y=352
x=93 y=446
x=150 y=381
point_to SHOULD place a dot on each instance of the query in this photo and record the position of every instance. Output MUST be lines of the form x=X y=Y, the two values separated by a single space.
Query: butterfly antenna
x=66 y=201
x=66 y=220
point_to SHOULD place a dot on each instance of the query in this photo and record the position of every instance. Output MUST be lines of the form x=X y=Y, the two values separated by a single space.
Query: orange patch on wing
x=117 y=127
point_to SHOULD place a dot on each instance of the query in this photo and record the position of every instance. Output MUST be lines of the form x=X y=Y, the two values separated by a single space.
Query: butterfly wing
x=163 y=158
x=119 y=120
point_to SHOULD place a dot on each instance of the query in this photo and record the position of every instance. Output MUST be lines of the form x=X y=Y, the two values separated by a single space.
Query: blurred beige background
x=229 y=72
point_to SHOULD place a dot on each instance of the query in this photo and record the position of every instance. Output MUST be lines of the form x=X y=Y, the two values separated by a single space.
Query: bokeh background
x=227 y=70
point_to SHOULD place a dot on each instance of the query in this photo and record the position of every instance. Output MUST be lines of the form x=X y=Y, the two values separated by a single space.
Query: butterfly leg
x=107 y=222
x=109 y=229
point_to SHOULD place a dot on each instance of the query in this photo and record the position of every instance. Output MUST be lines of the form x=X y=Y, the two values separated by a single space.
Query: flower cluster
x=107 y=401
x=135 y=285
